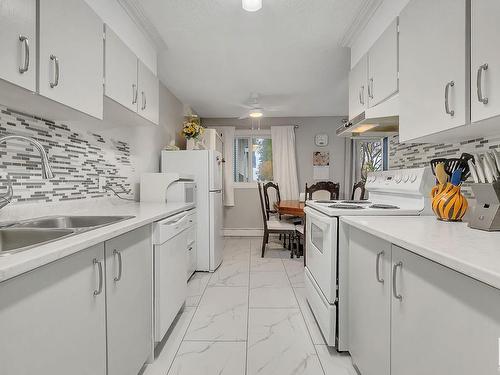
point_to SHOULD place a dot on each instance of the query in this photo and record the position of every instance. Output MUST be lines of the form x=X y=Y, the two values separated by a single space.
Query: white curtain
x=284 y=162
x=228 y=138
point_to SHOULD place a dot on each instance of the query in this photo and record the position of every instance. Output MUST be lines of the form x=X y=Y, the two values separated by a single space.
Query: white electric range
x=397 y=193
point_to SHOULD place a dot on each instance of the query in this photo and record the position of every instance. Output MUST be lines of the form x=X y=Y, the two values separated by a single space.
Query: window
x=369 y=155
x=253 y=158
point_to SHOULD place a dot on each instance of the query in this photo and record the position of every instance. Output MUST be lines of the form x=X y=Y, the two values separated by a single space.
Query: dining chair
x=358 y=186
x=267 y=201
x=332 y=187
x=274 y=226
x=299 y=236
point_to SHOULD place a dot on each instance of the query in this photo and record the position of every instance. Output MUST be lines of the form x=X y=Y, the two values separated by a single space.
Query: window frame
x=250 y=135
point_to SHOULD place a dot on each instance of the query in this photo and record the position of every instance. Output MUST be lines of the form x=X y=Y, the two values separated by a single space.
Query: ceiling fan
x=255 y=109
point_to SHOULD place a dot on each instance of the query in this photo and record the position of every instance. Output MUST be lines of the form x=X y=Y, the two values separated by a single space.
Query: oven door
x=321 y=251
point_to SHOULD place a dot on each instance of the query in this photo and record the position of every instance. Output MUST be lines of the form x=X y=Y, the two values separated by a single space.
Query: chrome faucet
x=47 y=173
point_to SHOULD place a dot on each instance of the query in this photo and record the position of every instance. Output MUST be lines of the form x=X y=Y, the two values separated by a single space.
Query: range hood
x=381 y=120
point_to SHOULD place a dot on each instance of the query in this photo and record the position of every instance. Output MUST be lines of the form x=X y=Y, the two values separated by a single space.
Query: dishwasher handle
x=170 y=227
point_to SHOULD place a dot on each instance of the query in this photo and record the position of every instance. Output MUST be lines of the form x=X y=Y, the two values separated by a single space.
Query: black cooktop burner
x=346 y=206
x=355 y=201
x=385 y=206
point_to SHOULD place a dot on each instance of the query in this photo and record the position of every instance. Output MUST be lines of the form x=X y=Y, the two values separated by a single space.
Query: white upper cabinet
x=358 y=90
x=149 y=94
x=71 y=55
x=383 y=66
x=433 y=68
x=18 y=42
x=120 y=72
x=485 y=59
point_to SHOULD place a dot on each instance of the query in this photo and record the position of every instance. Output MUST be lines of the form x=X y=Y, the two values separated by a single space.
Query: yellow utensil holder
x=448 y=203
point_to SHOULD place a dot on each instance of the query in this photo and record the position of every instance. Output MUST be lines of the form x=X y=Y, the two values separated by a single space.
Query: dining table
x=290 y=207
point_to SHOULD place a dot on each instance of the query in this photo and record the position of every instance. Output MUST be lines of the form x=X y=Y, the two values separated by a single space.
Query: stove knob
x=397 y=179
x=413 y=178
x=406 y=178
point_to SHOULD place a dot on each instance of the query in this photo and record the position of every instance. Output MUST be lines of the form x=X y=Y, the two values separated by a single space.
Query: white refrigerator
x=206 y=166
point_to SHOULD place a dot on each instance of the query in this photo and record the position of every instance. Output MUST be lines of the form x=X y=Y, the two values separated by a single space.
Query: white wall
x=113 y=14
x=246 y=213
x=383 y=16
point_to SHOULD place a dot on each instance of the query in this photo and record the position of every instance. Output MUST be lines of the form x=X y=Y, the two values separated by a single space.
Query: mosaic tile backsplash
x=77 y=161
x=403 y=155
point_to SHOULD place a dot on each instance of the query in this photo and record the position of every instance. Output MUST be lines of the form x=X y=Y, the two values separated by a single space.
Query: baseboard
x=243 y=232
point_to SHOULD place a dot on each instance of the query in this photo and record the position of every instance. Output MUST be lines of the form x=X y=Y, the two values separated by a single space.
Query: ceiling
x=289 y=52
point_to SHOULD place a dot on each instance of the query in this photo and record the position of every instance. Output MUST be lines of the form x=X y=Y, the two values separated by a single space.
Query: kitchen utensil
x=456 y=177
x=487 y=170
x=479 y=168
x=448 y=203
x=496 y=155
x=473 y=171
x=440 y=173
x=493 y=165
x=435 y=162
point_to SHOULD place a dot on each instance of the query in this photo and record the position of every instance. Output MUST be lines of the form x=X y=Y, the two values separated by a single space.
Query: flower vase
x=195 y=144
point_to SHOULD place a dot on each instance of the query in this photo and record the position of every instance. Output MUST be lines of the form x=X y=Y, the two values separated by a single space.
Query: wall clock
x=321 y=140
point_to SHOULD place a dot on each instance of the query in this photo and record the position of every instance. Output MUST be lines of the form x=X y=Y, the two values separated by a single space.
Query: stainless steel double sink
x=24 y=235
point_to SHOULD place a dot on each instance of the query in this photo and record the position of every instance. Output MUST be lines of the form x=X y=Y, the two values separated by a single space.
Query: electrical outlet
x=101 y=183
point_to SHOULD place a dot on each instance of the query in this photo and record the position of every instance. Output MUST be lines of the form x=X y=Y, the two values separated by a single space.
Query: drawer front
x=325 y=313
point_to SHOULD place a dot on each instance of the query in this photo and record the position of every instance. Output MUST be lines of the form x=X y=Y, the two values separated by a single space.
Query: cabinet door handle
x=24 y=41
x=99 y=285
x=479 y=84
x=362 y=95
x=116 y=253
x=394 y=281
x=56 y=72
x=370 y=88
x=446 y=99
x=377 y=267
x=134 y=93
x=144 y=102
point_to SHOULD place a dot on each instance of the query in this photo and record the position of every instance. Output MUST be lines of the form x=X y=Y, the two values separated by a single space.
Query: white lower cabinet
x=369 y=303
x=423 y=318
x=129 y=301
x=89 y=313
x=445 y=322
x=52 y=319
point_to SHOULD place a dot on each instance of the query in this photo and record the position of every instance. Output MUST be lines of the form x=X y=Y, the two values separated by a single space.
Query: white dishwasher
x=170 y=240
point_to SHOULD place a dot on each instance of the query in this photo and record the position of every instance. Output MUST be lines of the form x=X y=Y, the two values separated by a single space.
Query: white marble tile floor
x=250 y=317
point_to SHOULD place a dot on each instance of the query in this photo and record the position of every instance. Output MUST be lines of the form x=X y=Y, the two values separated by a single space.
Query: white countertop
x=472 y=252
x=24 y=261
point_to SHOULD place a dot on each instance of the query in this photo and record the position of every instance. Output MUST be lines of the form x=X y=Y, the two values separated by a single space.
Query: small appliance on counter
x=168 y=187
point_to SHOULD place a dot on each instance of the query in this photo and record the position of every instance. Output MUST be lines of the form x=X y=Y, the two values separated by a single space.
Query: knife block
x=486 y=213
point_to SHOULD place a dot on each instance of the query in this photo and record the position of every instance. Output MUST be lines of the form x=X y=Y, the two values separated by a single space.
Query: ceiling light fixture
x=251 y=5
x=255 y=113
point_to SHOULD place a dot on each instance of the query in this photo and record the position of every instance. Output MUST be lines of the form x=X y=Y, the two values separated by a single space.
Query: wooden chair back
x=361 y=186
x=262 y=207
x=267 y=201
x=332 y=187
